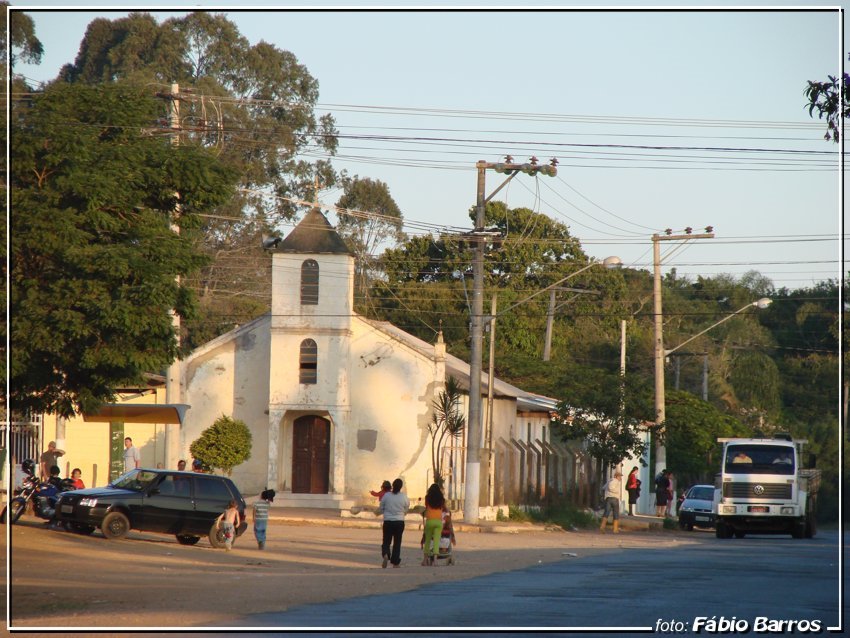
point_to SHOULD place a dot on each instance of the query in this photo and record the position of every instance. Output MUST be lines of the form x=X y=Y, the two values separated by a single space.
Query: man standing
x=131 y=455
x=48 y=459
x=613 y=489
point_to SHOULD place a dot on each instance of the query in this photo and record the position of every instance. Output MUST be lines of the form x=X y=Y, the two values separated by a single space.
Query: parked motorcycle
x=43 y=496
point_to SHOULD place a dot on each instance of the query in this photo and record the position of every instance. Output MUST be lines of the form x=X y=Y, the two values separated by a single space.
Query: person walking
x=393 y=506
x=633 y=488
x=131 y=455
x=613 y=489
x=434 y=504
x=261 y=517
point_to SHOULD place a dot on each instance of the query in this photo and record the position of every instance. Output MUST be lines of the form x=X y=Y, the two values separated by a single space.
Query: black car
x=185 y=504
x=697 y=510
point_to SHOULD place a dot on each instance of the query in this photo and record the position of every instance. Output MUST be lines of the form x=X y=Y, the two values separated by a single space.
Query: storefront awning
x=139 y=413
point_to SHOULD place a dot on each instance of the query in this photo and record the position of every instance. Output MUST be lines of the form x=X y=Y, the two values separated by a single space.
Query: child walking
x=229 y=520
x=261 y=517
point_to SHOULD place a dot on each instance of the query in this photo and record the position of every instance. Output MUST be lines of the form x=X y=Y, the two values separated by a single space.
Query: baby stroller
x=447 y=537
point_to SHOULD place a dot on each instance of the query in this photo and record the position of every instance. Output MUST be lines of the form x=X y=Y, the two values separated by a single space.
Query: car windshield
x=136 y=480
x=759 y=459
x=703 y=493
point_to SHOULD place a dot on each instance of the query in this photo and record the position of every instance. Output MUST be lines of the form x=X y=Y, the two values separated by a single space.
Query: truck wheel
x=811 y=527
x=798 y=530
x=722 y=530
x=740 y=533
x=115 y=525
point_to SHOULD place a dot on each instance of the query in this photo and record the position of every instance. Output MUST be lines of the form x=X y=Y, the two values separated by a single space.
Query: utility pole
x=660 y=413
x=550 y=315
x=491 y=469
x=472 y=491
x=173 y=392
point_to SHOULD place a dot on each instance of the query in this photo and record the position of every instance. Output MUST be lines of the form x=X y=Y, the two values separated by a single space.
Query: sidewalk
x=367 y=519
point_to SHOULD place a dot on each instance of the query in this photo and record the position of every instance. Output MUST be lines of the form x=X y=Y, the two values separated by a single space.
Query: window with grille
x=308 y=361
x=309 y=283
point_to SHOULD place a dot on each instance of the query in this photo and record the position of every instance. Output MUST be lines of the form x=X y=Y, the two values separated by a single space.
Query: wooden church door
x=311 y=453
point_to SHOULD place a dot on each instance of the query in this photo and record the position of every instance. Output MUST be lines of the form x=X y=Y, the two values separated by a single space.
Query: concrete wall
x=392 y=388
x=228 y=377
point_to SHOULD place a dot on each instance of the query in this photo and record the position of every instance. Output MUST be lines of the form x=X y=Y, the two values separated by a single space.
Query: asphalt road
x=744 y=585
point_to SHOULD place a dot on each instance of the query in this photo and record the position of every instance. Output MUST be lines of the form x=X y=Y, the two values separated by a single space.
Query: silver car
x=697 y=510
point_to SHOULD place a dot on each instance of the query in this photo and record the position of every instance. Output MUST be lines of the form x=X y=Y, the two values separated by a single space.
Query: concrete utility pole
x=173 y=393
x=660 y=413
x=472 y=491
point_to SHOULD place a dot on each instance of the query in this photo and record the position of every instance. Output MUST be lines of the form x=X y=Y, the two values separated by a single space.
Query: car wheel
x=81 y=528
x=682 y=524
x=185 y=539
x=216 y=536
x=16 y=510
x=690 y=527
x=740 y=533
x=115 y=525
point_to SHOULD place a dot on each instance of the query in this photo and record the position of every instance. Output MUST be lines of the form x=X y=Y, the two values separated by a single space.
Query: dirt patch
x=59 y=579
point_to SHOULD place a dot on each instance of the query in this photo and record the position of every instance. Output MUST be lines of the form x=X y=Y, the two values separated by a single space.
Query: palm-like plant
x=446 y=422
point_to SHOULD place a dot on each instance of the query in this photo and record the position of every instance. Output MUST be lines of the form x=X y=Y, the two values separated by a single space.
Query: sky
x=659 y=119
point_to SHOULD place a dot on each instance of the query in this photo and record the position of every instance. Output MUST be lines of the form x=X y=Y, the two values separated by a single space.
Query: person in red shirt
x=633 y=488
x=76 y=481
x=385 y=487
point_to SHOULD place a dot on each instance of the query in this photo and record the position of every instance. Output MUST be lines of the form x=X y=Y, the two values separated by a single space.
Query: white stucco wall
x=392 y=387
x=229 y=376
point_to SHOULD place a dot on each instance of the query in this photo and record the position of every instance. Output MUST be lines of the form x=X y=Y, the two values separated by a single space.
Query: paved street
x=756 y=580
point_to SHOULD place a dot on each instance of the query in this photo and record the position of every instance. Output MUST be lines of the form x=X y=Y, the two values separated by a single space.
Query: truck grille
x=746 y=490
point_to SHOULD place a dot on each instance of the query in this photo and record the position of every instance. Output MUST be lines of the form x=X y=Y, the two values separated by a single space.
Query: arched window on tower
x=308 y=361
x=309 y=283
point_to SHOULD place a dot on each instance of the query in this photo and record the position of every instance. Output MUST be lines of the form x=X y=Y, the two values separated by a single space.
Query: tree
x=691 y=429
x=832 y=101
x=223 y=445
x=373 y=217
x=254 y=105
x=428 y=279
x=94 y=261
x=446 y=423
x=607 y=416
x=21 y=33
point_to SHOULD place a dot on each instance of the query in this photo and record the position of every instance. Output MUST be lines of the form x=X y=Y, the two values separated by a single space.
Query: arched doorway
x=311 y=453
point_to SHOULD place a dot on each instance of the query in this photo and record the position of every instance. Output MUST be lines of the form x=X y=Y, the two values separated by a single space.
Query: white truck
x=762 y=489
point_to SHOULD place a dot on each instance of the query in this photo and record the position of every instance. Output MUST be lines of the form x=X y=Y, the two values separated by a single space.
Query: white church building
x=336 y=403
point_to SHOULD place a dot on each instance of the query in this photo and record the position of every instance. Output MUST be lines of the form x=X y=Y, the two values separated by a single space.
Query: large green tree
x=94 y=260
x=255 y=106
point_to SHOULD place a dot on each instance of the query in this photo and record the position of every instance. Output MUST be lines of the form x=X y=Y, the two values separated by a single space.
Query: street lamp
x=761 y=304
x=661 y=456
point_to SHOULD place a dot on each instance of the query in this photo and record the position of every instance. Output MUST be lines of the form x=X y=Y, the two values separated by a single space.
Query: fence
x=528 y=473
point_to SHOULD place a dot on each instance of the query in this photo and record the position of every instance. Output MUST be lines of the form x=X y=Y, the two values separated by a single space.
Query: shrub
x=224 y=445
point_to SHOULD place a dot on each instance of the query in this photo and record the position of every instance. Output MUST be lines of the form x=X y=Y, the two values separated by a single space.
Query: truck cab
x=761 y=488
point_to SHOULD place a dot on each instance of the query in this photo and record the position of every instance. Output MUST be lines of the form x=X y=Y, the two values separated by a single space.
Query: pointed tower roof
x=313 y=234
